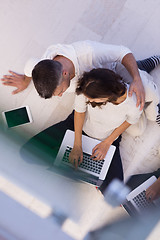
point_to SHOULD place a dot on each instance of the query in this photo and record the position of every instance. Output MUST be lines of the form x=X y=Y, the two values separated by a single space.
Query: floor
x=29 y=27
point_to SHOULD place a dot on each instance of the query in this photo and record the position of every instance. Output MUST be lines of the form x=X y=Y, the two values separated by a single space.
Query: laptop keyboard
x=141 y=201
x=87 y=164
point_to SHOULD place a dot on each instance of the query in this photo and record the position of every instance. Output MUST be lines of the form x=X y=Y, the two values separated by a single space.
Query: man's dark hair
x=101 y=83
x=46 y=77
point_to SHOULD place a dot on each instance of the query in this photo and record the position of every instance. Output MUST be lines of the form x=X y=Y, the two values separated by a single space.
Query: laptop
x=89 y=171
x=136 y=202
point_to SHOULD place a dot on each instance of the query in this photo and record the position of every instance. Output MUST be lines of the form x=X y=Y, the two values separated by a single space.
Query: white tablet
x=17 y=116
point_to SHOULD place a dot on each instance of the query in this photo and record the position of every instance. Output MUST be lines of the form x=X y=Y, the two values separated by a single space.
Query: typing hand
x=153 y=192
x=100 y=150
x=76 y=156
x=19 y=81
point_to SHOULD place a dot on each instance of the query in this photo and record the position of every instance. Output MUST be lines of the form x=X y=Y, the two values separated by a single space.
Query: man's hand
x=100 y=150
x=19 y=81
x=76 y=156
x=153 y=192
x=137 y=87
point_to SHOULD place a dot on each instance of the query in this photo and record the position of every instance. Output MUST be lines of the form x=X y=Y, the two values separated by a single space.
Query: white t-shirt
x=101 y=122
x=85 y=56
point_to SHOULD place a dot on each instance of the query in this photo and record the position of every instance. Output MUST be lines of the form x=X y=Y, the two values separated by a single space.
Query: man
x=61 y=65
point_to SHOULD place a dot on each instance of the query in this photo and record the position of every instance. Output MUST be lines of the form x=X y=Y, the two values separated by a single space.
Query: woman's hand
x=153 y=192
x=100 y=150
x=76 y=156
x=19 y=81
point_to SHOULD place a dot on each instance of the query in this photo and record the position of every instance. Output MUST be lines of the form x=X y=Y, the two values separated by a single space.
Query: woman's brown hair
x=101 y=83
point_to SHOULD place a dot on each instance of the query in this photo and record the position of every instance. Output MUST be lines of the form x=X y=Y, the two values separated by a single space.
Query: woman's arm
x=101 y=149
x=76 y=155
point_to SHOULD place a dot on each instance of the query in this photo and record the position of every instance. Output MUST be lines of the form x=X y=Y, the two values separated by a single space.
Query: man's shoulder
x=83 y=49
x=73 y=44
x=81 y=44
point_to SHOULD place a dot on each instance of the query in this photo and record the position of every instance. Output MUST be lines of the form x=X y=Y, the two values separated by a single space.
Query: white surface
x=29 y=27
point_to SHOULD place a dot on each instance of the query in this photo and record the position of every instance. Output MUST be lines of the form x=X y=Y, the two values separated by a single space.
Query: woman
x=103 y=111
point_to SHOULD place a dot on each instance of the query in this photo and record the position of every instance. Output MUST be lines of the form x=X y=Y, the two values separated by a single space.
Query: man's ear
x=64 y=72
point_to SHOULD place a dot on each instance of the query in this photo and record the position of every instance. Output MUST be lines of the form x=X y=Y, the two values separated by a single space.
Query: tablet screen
x=17 y=117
